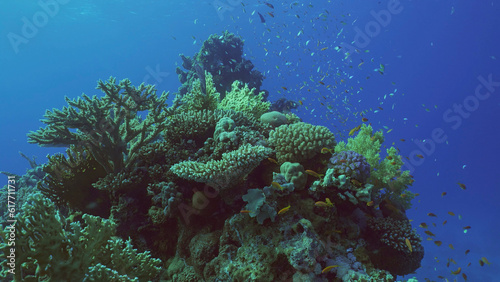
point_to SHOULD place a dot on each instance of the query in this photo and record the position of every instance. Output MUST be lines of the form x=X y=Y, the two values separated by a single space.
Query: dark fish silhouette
x=262 y=20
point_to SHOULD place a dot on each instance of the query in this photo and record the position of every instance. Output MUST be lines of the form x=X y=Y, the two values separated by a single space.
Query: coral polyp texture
x=215 y=187
x=300 y=141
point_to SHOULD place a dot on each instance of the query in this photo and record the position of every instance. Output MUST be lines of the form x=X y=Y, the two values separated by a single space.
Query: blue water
x=435 y=54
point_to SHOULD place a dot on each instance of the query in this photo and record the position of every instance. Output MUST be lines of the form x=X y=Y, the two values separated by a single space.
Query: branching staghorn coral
x=109 y=127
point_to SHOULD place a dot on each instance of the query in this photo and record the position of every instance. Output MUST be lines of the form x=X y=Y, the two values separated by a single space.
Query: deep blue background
x=433 y=52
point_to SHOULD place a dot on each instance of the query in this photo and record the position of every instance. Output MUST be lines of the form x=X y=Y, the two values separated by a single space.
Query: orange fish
x=431 y=214
x=245 y=211
x=389 y=157
x=444 y=222
x=403 y=140
x=467 y=251
x=408 y=244
x=321 y=82
x=284 y=88
x=300 y=102
x=315 y=174
x=443 y=194
x=284 y=210
x=467 y=227
x=481 y=263
x=438 y=243
x=420 y=156
x=326 y=204
x=464 y=276
x=457 y=271
x=328 y=268
x=364 y=119
x=451 y=213
x=462 y=186
x=451 y=246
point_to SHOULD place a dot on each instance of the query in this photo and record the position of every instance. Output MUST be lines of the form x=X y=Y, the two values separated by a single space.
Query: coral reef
x=213 y=188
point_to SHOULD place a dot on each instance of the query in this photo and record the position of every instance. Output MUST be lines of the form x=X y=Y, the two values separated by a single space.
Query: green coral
x=243 y=99
x=300 y=141
x=383 y=173
x=201 y=98
x=109 y=127
x=227 y=171
x=48 y=247
x=69 y=182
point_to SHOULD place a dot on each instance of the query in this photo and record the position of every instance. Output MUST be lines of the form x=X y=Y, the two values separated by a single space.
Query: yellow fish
x=277 y=185
x=328 y=268
x=408 y=244
x=485 y=260
x=284 y=210
x=354 y=130
x=315 y=174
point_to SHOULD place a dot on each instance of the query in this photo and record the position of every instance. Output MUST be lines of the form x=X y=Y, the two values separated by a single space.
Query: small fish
x=485 y=260
x=451 y=213
x=364 y=119
x=408 y=244
x=369 y=204
x=432 y=214
x=438 y=243
x=462 y=186
x=321 y=82
x=423 y=225
x=403 y=140
x=429 y=233
x=272 y=160
x=443 y=194
x=262 y=20
x=467 y=227
x=323 y=49
x=356 y=183
x=268 y=4
x=245 y=211
x=467 y=251
x=271 y=14
x=328 y=268
x=451 y=246
x=315 y=174
x=354 y=130
x=389 y=157
x=326 y=151
x=277 y=185
x=284 y=210
x=464 y=276
x=420 y=156
x=481 y=263
x=444 y=222
x=326 y=204
x=284 y=88
x=457 y=271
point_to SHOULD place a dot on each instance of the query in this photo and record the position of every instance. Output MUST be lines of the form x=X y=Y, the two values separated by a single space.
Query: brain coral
x=387 y=238
x=300 y=141
x=351 y=164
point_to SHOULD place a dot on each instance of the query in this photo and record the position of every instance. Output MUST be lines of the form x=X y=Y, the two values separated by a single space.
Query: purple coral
x=351 y=164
